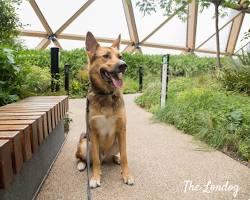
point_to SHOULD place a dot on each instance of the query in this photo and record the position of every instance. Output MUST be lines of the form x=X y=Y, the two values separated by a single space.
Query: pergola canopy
x=65 y=24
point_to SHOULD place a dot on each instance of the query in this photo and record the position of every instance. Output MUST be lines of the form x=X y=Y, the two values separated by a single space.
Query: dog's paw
x=81 y=165
x=95 y=182
x=128 y=179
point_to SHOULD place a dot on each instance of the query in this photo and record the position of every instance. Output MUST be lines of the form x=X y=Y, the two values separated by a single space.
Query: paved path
x=161 y=159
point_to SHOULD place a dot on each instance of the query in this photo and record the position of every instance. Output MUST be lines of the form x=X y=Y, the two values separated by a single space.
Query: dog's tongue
x=117 y=82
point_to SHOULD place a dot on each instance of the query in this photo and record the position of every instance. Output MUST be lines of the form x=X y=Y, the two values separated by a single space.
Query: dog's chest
x=105 y=124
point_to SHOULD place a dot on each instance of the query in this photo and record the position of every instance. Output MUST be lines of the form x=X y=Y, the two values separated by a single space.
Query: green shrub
x=150 y=63
x=151 y=96
x=35 y=80
x=190 y=64
x=40 y=58
x=75 y=58
x=80 y=84
x=130 y=86
x=9 y=22
x=182 y=65
x=179 y=65
x=198 y=106
x=236 y=76
x=244 y=149
x=244 y=58
x=9 y=83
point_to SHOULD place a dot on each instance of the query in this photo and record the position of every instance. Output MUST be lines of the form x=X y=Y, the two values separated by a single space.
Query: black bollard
x=141 y=74
x=66 y=77
x=54 y=62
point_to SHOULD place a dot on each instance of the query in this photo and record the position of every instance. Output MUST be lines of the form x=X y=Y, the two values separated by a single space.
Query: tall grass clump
x=235 y=76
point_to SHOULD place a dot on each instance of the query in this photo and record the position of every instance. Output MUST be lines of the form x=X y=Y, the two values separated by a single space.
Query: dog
x=106 y=117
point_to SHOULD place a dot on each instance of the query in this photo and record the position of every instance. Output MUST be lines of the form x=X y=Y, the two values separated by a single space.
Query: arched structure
x=135 y=43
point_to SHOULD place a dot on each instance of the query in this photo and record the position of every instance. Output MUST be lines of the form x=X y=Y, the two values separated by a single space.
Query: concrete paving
x=166 y=164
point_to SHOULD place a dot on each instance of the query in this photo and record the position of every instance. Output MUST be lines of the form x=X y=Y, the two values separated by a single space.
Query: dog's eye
x=106 y=56
x=120 y=57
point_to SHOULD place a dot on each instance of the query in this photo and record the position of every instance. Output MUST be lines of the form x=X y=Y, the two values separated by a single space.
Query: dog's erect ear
x=117 y=42
x=91 y=43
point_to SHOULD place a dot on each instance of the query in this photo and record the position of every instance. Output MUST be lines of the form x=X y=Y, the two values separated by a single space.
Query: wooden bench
x=16 y=148
x=6 y=172
x=24 y=126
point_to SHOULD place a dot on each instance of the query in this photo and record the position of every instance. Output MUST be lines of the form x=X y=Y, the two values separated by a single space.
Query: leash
x=88 y=151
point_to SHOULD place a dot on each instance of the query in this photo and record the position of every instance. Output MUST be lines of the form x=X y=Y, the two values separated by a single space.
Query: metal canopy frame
x=135 y=44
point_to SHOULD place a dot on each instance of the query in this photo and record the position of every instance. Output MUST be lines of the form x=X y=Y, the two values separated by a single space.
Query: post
x=141 y=74
x=164 y=79
x=66 y=78
x=54 y=63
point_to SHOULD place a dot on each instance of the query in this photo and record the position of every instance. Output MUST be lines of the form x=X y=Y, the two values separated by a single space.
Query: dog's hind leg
x=117 y=159
x=115 y=153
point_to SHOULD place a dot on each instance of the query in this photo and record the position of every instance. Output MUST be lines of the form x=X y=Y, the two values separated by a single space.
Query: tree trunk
x=216 y=6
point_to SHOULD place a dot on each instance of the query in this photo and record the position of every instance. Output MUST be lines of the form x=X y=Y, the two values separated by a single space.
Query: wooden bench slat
x=6 y=117
x=48 y=111
x=38 y=118
x=6 y=170
x=52 y=115
x=45 y=124
x=17 y=156
x=21 y=121
x=21 y=114
x=33 y=126
x=25 y=138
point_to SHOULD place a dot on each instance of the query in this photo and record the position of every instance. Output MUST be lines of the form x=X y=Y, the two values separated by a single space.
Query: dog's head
x=106 y=67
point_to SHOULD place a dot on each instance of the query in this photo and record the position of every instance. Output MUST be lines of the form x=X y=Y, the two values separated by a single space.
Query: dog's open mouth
x=112 y=77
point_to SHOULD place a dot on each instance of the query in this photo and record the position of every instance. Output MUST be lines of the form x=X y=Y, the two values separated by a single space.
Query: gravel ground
x=166 y=164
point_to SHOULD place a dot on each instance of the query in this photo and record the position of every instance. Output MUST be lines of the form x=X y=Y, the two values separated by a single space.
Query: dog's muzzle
x=115 y=77
x=121 y=67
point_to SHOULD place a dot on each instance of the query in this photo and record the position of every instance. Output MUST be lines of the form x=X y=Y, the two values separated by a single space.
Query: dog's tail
x=81 y=153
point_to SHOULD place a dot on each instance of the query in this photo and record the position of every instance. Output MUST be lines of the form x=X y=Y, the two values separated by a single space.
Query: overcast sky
x=105 y=18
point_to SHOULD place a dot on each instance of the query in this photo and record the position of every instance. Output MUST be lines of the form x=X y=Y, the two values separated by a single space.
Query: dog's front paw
x=128 y=179
x=95 y=182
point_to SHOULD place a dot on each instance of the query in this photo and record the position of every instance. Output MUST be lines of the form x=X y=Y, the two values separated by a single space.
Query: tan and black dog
x=107 y=117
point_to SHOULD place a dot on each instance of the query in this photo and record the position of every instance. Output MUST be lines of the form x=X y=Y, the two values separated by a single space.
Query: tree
x=9 y=22
x=170 y=6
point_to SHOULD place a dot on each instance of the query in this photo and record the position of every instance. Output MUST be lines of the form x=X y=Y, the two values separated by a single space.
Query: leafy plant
x=130 y=86
x=245 y=57
x=236 y=77
x=9 y=21
x=35 y=80
x=235 y=120
x=67 y=121
x=9 y=71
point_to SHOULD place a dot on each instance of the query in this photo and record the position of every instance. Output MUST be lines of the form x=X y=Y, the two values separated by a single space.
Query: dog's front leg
x=95 y=180
x=127 y=177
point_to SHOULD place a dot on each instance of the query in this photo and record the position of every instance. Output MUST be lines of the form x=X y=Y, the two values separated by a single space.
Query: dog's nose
x=121 y=66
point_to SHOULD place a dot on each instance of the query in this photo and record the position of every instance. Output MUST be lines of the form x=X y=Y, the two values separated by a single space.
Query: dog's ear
x=91 y=43
x=116 y=43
